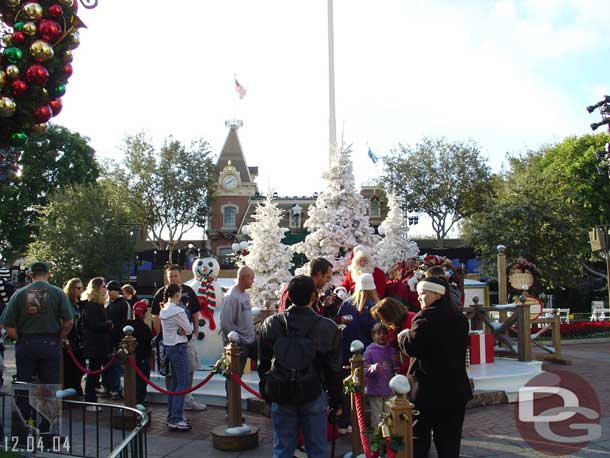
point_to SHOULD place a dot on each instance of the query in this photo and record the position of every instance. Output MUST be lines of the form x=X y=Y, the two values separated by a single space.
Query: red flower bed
x=581 y=329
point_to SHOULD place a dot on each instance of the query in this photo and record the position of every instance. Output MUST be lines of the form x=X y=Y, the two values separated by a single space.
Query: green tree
x=49 y=163
x=168 y=192
x=532 y=214
x=543 y=208
x=446 y=180
x=84 y=231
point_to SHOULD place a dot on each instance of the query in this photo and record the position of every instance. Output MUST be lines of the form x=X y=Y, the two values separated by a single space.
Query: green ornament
x=18 y=139
x=18 y=26
x=12 y=54
x=59 y=90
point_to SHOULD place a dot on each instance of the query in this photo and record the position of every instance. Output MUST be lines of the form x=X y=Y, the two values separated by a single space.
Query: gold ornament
x=41 y=50
x=68 y=56
x=74 y=40
x=12 y=71
x=7 y=107
x=29 y=28
x=44 y=94
x=39 y=129
x=67 y=3
x=2 y=78
x=13 y=3
x=7 y=39
x=32 y=11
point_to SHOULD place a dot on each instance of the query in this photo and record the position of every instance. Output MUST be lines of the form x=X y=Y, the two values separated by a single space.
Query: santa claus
x=361 y=263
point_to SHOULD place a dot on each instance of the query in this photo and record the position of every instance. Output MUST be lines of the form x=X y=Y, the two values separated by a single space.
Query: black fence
x=37 y=422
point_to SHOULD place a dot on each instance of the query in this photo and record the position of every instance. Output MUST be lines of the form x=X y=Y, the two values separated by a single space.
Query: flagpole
x=332 y=140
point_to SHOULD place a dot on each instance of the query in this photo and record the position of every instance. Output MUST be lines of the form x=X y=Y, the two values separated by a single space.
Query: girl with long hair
x=73 y=376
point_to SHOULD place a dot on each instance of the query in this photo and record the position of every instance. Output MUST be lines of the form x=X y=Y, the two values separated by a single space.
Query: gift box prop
x=481 y=347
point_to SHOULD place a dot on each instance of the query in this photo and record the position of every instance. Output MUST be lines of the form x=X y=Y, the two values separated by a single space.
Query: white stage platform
x=505 y=374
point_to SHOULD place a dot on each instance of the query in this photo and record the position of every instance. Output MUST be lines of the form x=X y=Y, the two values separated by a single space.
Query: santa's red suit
x=379 y=277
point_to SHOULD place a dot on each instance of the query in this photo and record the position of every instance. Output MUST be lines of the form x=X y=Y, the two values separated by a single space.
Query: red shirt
x=392 y=334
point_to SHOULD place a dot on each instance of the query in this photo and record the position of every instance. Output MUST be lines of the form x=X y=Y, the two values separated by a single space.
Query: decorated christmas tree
x=396 y=245
x=338 y=221
x=267 y=255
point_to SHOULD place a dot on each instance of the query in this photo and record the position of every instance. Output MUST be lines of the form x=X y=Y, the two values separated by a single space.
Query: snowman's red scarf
x=207 y=300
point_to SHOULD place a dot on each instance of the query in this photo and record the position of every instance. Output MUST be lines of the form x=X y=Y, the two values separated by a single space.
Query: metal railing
x=109 y=431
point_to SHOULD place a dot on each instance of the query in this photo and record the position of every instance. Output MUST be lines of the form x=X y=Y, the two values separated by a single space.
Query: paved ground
x=488 y=431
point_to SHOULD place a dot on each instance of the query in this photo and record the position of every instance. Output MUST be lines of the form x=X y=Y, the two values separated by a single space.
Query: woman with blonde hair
x=357 y=324
x=73 y=376
x=95 y=328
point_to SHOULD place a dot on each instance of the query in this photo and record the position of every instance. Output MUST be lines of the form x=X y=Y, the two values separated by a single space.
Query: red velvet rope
x=84 y=369
x=361 y=425
x=142 y=375
x=235 y=377
x=388 y=448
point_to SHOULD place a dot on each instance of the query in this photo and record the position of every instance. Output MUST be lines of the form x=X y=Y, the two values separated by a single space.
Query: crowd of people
x=408 y=320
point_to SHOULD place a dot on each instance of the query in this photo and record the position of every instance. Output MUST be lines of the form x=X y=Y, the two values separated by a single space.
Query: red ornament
x=19 y=87
x=56 y=11
x=49 y=30
x=56 y=106
x=42 y=114
x=18 y=37
x=68 y=70
x=37 y=74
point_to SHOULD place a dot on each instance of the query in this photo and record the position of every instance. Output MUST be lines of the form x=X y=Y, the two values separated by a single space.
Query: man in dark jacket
x=440 y=387
x=117 y=310
x=325 y=337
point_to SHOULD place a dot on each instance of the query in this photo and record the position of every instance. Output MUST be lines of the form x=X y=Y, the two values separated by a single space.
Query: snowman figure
x=209 y=293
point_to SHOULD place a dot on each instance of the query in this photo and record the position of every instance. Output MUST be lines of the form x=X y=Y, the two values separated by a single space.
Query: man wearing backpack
x=299 y=361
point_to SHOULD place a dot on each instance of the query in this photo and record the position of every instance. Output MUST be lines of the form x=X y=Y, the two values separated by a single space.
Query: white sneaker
x=194 y=405
x=180 y=426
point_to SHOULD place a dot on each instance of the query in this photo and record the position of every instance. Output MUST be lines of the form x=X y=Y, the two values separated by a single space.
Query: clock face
x=229 y=182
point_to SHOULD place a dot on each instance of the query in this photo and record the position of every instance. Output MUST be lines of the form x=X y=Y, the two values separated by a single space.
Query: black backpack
x=293 y=377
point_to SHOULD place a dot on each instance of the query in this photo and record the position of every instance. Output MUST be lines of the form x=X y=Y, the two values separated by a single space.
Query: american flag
x=240 y=89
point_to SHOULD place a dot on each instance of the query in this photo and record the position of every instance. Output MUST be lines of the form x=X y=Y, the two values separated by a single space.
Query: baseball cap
x=139 y=308
x=365 y=282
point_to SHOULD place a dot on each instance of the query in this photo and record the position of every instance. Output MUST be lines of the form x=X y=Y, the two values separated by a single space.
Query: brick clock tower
x=234 y=190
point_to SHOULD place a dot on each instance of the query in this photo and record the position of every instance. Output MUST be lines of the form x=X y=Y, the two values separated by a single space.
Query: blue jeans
x=288 y=419
x=38 y=355
x=179 y=364
x=111 y=379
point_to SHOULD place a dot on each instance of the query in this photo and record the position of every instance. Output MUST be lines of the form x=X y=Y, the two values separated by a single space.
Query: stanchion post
x=357 y=376
x=233 y=355
x=401 y=414
x=502 y=280
x=556 y=335
x=525 y=327
x=128 y=349
x=236 y=436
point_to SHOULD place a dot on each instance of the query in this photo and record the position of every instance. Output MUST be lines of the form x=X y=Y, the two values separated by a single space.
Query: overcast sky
x=508 y=74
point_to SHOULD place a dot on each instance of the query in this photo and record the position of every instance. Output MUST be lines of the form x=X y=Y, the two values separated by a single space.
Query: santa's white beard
x=358 y=270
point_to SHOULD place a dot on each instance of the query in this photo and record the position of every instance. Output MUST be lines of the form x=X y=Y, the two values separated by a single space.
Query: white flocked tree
x=396 y=245
x=270 y=259
x=338 y=220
